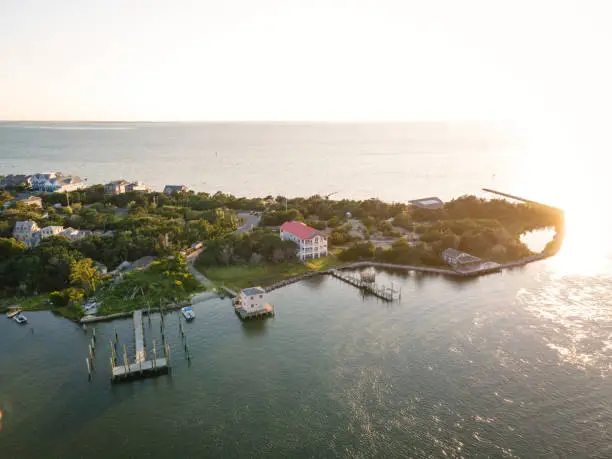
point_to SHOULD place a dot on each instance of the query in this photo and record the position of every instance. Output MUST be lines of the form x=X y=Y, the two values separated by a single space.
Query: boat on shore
x=12 y=314
x=188 y=313
x=21 y=319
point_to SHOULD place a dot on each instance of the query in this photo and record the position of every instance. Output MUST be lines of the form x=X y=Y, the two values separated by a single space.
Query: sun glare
x=557 y=174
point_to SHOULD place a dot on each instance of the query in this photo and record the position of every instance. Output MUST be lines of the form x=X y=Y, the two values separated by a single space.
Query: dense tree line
x=254 y=247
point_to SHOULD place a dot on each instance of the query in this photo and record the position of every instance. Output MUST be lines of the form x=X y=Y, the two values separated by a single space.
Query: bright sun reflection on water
x=576 y=182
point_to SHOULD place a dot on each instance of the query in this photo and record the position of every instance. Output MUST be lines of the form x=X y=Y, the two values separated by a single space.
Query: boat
x=21 y=319
x=188 y=313
x=12 y=314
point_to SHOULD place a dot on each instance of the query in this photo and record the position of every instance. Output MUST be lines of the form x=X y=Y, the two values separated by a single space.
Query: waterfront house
x=43 y=181
x=14 y=181
x=50 y=231
x=115 y=187
x=253 y=300
x=311 y=243
x=56 y=182
x=171 y=189
x=68 y=184
x=32 y=201
x=427 y=203
x=27 y=232
x=137 y=186
x=460 y=260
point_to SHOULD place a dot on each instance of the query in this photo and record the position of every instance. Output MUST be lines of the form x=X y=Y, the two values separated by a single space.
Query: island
x=115 y=248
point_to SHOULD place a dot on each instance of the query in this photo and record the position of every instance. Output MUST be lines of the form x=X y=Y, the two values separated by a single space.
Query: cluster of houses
x=49 y=182
x=31 y=234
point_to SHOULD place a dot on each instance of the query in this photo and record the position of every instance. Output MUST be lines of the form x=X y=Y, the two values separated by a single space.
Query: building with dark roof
x=428 y=203
x=171 y=189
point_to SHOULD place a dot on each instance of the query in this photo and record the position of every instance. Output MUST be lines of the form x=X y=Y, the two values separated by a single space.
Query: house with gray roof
x=171 y=189
x=427 y=203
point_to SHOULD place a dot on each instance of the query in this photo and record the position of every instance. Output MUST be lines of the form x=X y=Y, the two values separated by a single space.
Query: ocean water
x=392 y=161
x=516 y=364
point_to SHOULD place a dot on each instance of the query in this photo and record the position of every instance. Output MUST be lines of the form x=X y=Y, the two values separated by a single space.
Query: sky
x=178 y=60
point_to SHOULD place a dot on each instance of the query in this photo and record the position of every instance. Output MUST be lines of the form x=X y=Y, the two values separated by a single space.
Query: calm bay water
x=498 y=366
x=516 y=364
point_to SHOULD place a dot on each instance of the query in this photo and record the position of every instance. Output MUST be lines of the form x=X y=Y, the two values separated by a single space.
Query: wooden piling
x=125 y=360
x=154 y=356
x=88 y=367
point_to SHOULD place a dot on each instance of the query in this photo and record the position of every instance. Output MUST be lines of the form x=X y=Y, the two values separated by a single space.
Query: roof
x=253 y=291
x=118 y=182
x=31 y=199
x=428 y=203
x=175 y=187
x=26 y=224
x=462 y=257
x=299 y=229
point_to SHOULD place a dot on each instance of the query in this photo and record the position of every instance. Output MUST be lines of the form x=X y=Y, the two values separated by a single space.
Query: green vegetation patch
x=238 y=277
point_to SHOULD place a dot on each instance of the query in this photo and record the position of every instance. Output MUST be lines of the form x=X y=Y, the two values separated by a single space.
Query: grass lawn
x=27 y=303
x=241 y=276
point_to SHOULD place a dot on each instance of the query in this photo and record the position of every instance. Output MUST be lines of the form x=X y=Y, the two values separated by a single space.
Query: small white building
x=311 y=243
x=254 y=300
x=460 y=260
x=50 y=231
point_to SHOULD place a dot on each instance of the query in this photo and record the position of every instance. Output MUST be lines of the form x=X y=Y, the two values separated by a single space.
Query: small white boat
x=21 y=319
x=188 y=313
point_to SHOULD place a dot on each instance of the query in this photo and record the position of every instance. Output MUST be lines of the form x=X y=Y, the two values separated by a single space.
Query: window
x=260 y=296
x=252 y=297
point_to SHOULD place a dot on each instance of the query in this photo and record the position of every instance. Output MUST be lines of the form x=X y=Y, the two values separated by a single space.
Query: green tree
x=83 y=272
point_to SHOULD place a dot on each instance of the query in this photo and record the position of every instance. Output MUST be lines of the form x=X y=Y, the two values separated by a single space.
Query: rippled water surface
x=516 y=364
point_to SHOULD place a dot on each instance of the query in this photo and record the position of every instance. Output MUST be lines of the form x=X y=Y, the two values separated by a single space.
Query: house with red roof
x=311 y=243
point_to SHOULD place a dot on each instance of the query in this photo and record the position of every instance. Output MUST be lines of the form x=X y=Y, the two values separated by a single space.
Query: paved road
x=250 y=221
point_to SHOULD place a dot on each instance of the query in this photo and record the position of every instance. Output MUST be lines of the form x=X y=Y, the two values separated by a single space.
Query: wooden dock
x=141 y=367
x=382 y=292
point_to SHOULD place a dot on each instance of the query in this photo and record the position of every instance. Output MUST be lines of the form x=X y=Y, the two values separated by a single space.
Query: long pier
x=141 y=366
x=384 y=293
x=518 y=198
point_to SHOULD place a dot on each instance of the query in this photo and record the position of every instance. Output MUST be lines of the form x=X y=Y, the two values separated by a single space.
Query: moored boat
x=14 y=313
x=21 y=319
x=188 y=313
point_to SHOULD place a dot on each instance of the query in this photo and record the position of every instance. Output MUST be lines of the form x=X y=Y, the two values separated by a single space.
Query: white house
x=115 y=187
x=56 y=182
x=44 y=180
x=50 y=231
x=138 y=186
x=27 y=232
x=254 y=300
x=311 y=243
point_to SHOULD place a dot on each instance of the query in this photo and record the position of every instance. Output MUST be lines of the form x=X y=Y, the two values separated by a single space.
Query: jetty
x=141 y=367
x=382 y=292
x=519 y=198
